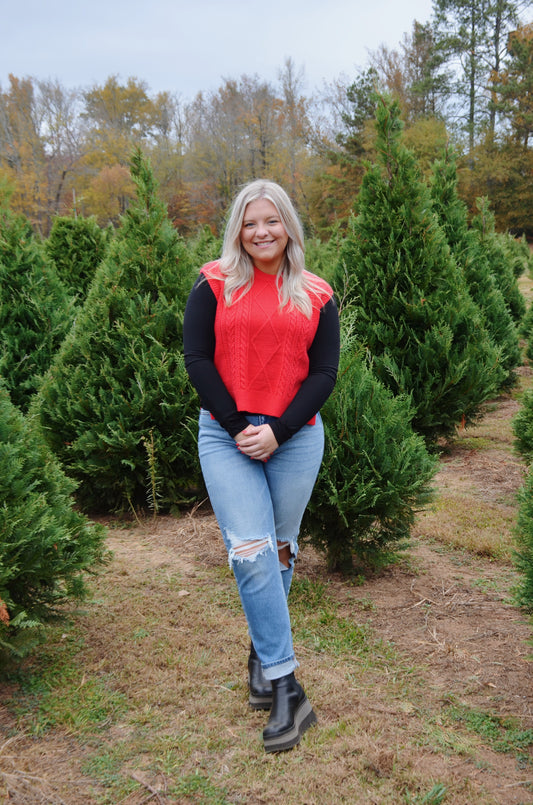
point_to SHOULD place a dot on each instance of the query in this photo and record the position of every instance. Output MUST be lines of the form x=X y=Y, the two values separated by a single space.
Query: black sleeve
x=199 y=351
x=316 y=388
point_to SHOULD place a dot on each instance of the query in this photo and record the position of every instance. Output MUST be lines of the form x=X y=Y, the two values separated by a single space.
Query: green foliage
x=505 y=256
x=523 y=427
x=45 y=545
x=471 y=258
x=116 y=404
x=77 y=246
x=524 y=534
x=375 y=473
x=35 y=309
x=321 y=257
x=423 y=333
x=501 y=734
x=523 y=430
x=526 y=325
x=203 y=247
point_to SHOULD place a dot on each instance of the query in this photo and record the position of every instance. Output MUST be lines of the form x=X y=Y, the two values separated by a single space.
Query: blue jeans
x=259 y=507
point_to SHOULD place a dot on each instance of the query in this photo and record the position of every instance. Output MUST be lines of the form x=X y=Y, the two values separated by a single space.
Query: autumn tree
x=415 y=76
x=40 y=147
x=62 y=135
x=22 y=150
x=118 y=117
x=234 y=136
x=295 y=133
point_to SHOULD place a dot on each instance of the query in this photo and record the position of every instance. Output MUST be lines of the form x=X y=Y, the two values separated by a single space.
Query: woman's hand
x=257 y=441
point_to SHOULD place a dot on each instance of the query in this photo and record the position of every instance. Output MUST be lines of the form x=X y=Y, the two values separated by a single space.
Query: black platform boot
x=260 y=688
x=290 y=716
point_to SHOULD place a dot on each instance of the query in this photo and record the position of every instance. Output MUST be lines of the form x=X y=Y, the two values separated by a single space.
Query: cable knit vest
x=261 y=349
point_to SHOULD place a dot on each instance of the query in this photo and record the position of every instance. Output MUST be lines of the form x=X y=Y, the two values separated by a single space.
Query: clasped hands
x=257 y=441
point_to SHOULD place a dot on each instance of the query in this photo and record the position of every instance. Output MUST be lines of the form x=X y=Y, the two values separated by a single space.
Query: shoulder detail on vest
x=212 y=270
x=319 y=287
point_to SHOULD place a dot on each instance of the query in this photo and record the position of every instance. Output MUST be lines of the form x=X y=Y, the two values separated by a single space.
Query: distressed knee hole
x=249 y=549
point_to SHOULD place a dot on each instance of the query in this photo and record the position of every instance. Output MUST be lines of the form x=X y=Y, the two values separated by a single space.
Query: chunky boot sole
x=259 y=687
x=304 y=718
x=260 y=702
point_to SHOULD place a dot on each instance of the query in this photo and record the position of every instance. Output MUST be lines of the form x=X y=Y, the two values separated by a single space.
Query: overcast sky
x=185 y=46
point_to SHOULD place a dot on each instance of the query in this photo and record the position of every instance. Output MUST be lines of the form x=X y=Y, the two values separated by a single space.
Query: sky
x=188 y=46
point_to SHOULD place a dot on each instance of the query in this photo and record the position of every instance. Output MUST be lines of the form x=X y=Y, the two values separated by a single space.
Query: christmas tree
x=472 y=259
x=376 y=471
x=116 y=404
x=77 y=246
x=35 y=309
x=423 y=334
x=46 y=545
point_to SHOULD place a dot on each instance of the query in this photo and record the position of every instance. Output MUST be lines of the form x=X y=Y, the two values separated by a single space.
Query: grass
x=464 y=522
x=501 y=734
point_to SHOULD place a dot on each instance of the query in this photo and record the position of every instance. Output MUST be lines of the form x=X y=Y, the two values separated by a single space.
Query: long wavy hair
x=294 y=283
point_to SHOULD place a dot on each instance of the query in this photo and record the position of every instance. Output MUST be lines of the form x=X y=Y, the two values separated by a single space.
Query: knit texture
x=261 y=349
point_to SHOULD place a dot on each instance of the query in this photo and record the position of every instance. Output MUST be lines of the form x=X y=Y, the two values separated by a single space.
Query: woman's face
x=263 y=235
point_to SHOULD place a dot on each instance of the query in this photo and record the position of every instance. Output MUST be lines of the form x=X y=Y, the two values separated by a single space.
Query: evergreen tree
x=470 y=257
x=524 y=532
x=523 y=427
x=502 y=259
x=35 y=309
x=203 y=247
x=116 y=404
x=423 y=333
x=77 y=246
x=45 y=545
x=471 y=36
x=376 y=471
x=526 y=331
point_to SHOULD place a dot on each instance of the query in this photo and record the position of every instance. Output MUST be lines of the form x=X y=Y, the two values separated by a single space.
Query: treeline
x=463 y=79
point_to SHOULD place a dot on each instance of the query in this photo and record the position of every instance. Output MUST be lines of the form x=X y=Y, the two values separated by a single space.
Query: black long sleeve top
x=199 y=348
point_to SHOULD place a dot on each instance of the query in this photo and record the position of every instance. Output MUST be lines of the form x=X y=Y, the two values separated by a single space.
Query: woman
x=261 y=338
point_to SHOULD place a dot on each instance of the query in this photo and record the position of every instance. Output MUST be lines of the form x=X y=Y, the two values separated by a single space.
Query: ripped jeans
x=259 y=507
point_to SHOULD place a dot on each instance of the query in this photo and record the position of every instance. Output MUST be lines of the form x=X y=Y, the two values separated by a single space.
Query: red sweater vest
x=261 y=349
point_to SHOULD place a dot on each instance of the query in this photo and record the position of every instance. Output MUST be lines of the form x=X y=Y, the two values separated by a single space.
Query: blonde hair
x=295 y=284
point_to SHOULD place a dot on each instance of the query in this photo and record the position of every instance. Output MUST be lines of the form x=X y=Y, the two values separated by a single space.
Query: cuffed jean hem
x=280 y=669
